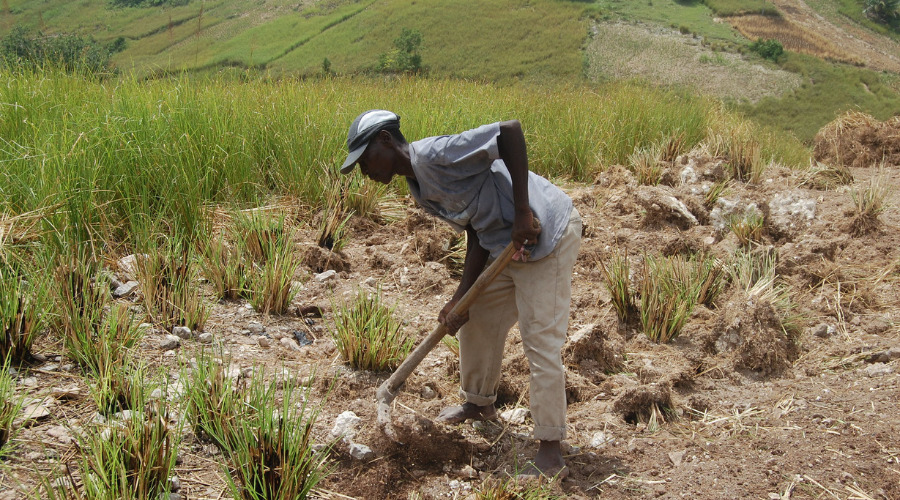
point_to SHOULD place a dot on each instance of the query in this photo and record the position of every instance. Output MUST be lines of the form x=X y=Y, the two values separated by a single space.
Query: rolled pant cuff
x=549 y=433
x=475 y=399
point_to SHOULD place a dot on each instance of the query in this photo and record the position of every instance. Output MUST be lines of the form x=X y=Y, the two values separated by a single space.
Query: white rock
x=263 y=342
x=601 y=439
x=327 y=275
x=61 y=434
x=428 y=393
x=468 y=472
x=126 y=289
x=35 y=410
x=361 y=452
x=169 y=342
x=290 y=343
x=128 y=266
x=345 y=426
x=878 y=370
x=256 y=328
x=205 y=338
x=29 y=382
x=182 y=332
x=516 y=416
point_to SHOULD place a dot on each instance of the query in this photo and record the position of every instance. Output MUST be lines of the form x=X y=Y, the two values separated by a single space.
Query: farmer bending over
x=478 y=181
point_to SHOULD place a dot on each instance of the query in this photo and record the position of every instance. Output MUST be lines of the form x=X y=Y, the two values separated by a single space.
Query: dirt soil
x=732 y=408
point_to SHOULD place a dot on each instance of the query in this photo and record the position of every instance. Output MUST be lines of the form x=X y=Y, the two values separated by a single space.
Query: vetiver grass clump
x=665 y=294
x=96 y=334
x=10 y=406
x=264 y=429
x=367 y=334
x=213 y=400
x=868 y=204
x=269 y=245
x=24 y=298
x=272 y=456
x=754 y=272
x=133 y=457
x=168 y=277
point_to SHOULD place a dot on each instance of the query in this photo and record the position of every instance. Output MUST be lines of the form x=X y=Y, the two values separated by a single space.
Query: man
x=478 y=181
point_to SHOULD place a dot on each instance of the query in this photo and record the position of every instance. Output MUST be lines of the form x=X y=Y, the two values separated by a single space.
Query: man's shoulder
x=460 y=145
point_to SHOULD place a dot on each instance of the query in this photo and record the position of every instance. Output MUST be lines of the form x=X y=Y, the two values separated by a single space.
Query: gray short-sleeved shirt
x=462 y=180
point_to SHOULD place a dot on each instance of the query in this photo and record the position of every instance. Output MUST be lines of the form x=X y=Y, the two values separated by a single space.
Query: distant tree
x=326 y=66
x=405 y=57
x=884 y=11
x=768 y=49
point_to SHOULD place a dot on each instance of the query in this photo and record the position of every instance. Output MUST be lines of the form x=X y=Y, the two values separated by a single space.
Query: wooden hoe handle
x=388 y=390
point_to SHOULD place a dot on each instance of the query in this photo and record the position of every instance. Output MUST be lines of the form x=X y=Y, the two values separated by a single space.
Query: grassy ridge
x=132 y=155
x=290 y=37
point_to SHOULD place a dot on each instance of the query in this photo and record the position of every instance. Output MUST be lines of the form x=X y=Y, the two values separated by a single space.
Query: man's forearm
x=476 y=258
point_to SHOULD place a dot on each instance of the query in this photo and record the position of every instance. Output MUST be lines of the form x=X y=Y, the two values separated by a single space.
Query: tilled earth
x=731 y=408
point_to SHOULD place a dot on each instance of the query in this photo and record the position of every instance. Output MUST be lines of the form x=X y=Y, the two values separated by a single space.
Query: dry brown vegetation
x=857 y=139
x=792 y=36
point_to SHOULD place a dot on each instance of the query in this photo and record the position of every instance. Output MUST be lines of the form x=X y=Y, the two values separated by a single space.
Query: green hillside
x=296 y=37
x=683 y=44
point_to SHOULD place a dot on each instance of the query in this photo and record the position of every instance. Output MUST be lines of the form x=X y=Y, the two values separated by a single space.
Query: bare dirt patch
x=732 y=408
x=662 y=55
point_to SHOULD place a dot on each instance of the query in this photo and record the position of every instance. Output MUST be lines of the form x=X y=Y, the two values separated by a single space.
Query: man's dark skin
x=386 y=157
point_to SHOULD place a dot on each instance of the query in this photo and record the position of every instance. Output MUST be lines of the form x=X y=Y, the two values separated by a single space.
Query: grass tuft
x=272 y=457
x=213 y=400
x=666 y=294
x=748 y=227
x=170 y=288
x=715 y=192
x=666 y=298
x=223 y=265
x=618 y=282
x=868 y=204
x=10 y=406
x=270 y=284
x=23 y=302
x=510 y=489
x=368 y=336
x=825 y=177
x=754 y=272
x=133 y=457
x=644 y=162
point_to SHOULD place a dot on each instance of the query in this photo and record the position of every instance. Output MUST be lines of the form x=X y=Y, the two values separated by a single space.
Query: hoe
x=389 y=389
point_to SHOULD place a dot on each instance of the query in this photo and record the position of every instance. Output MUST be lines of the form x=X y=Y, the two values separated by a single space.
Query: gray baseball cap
x=362 y=130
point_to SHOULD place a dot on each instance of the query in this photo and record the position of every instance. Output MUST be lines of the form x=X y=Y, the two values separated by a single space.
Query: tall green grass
x=144 y=157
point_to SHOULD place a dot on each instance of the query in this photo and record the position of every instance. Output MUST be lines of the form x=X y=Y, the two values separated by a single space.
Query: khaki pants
x=537 y=294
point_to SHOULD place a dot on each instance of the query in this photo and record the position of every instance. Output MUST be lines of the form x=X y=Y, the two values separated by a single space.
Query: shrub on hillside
x=405 y=57
x=883 y=11
x=71 y=52
x=768 y=49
